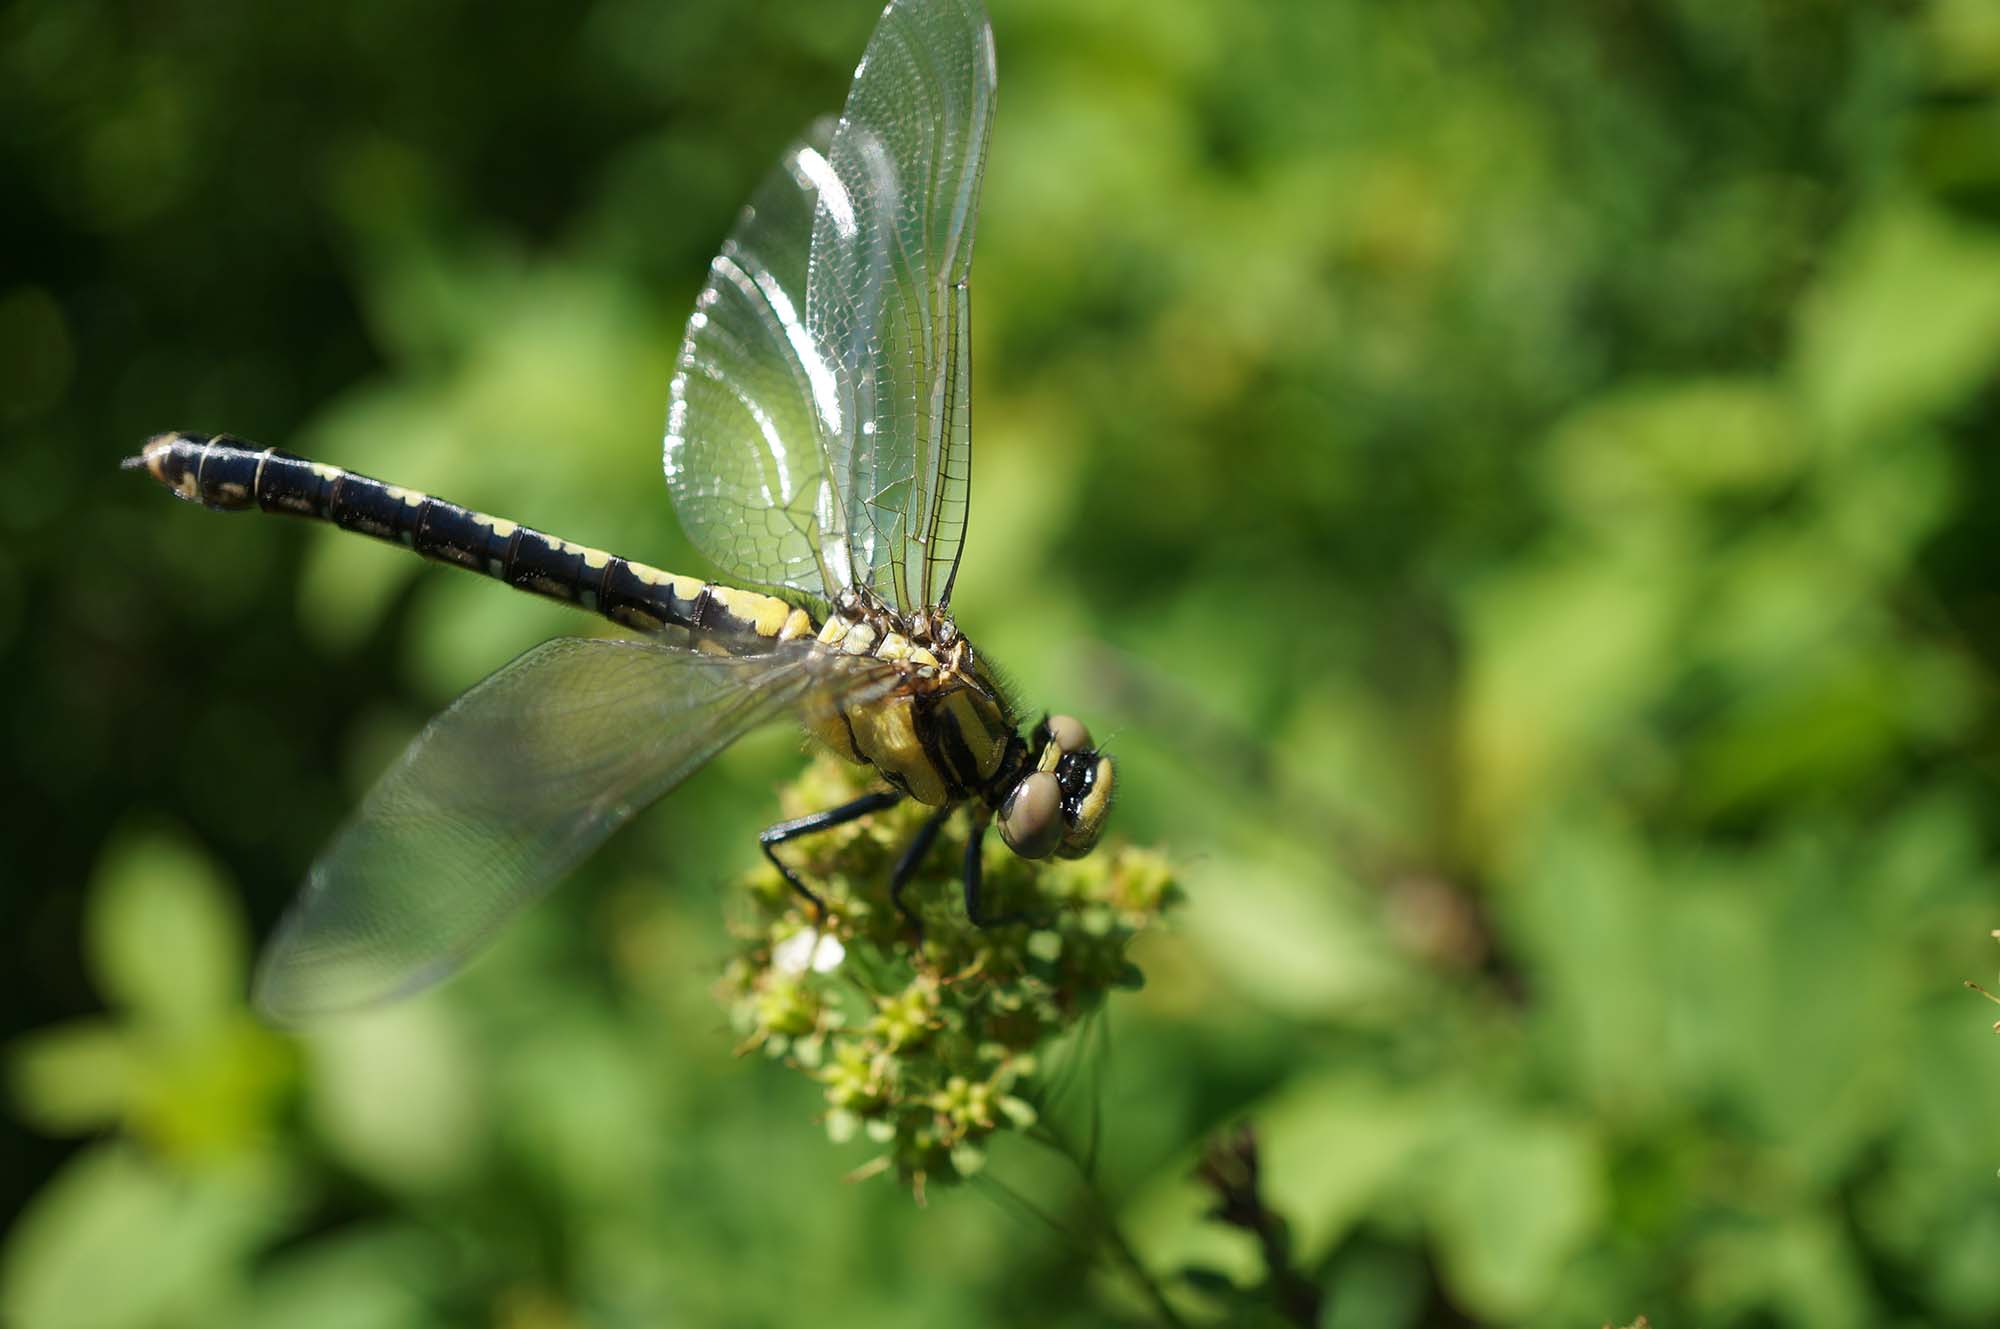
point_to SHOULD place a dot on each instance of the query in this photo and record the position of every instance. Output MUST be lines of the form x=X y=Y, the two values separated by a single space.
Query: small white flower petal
x=807 y=950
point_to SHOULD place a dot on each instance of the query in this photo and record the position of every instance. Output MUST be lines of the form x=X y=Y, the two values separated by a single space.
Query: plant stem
x=1105 y=1226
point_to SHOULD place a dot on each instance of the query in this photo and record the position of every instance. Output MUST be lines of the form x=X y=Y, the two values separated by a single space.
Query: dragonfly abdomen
x=224 y=472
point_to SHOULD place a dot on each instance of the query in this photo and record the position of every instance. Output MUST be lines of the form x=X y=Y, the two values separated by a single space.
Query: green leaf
x=165 y=937
x=1647 y=449
x=1211 y=1281
x=1273 y=925
x=1906 y=323
x=1566 y=652
x=115 y=1241
x=385 y=1276
x=73 y=1077
x=1332 y=1146
x=577 y=1106
x=1513 y=1200
x=1800 y=1270
x=397 y=1095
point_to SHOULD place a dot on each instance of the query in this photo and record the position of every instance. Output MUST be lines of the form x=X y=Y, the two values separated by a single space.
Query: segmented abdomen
x=226 y=473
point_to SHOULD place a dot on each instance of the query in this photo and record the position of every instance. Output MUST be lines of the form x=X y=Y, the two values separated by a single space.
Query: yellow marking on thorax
x=800 y=624
x=824 y=722
x=980 y=725
x=885 y=732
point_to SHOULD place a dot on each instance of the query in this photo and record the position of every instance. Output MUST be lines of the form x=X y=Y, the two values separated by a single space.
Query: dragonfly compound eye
x=1067 y=733
x=1085 y=779
x=1031 y=820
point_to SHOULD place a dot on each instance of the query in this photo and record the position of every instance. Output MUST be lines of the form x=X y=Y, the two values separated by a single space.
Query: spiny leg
x=773 y=836
x=974 y=910
x=912 y=859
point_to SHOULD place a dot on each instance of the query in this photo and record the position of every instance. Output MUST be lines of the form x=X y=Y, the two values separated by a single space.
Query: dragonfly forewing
x=745 y=454
x=887 y=296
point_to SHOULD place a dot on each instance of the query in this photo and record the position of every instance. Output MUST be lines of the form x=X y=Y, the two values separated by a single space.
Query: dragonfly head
x=1059 y=804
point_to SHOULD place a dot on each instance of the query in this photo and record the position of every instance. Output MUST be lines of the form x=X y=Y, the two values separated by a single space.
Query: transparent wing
x=498 y=798
x=745 y=456
x=887 y=293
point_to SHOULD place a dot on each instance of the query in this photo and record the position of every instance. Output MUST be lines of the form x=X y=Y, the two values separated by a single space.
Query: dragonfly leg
x=974 y=910
x=773 y=836
x=907 y=865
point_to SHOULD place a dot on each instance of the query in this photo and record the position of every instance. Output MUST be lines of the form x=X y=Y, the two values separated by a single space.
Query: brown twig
x=1229 y=1166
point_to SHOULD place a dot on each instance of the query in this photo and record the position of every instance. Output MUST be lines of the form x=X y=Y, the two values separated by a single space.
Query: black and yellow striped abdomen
x=223 y=472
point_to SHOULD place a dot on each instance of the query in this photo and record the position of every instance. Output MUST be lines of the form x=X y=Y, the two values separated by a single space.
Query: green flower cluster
x=929 y=1046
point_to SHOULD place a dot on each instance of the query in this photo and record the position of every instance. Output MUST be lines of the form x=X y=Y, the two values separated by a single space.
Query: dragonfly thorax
x=940 y=730
x=862 y=624
x=934 y=724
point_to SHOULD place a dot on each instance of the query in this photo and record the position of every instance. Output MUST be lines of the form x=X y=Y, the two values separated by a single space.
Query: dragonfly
x=818 y=449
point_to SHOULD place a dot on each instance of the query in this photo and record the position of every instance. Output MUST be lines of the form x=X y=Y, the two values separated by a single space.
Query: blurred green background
x=1516 y=483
